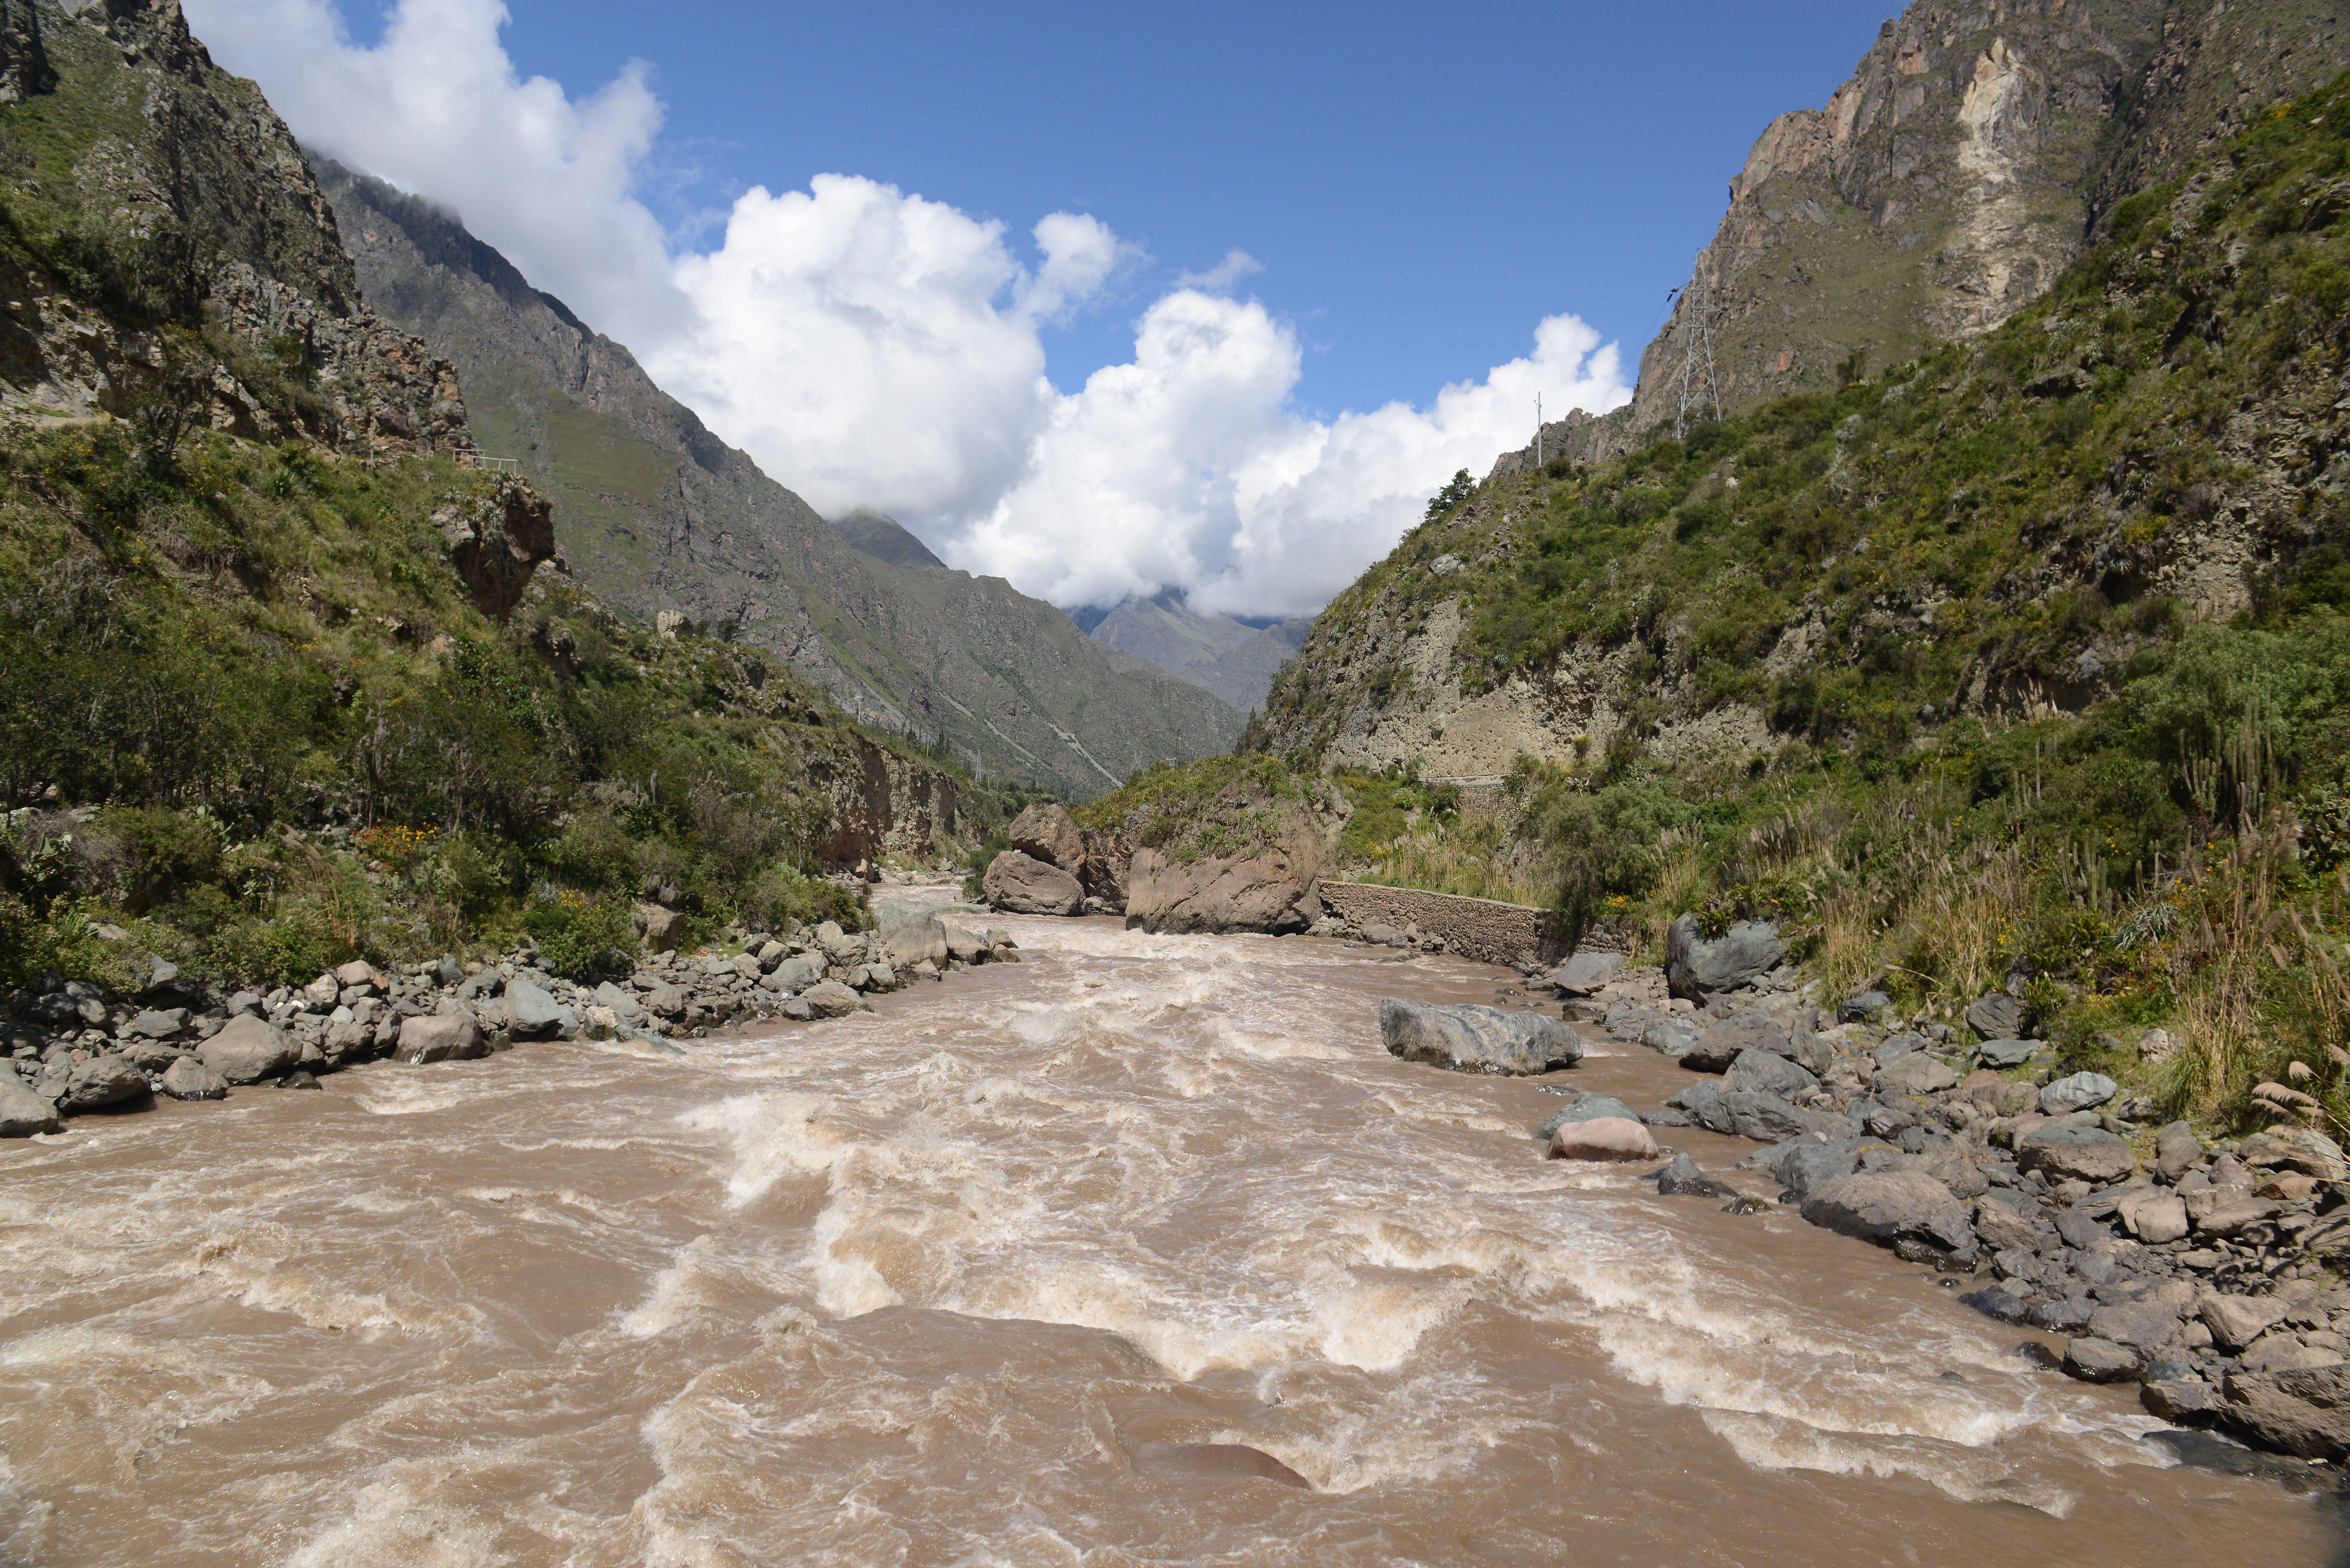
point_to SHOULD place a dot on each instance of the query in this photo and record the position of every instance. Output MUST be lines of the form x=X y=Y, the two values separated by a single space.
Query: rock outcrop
x=205 y=183
x=498 y=541
x=1938 y=191
x=1021 y=883
x=1470 y=1038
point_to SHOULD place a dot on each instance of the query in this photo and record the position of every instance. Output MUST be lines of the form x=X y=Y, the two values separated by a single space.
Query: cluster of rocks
x=1054 y=867
x=2204 y=1272
x=72 y=1049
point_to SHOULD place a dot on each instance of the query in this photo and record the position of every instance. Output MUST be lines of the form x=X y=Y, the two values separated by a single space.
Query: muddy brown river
x=1014 y=1272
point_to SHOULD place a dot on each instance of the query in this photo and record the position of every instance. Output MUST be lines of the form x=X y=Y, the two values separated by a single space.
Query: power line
x=1697 y=344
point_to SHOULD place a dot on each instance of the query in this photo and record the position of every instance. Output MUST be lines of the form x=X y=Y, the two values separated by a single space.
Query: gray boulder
x=1698 y=968
x=1766 y=1118
x=2005 y=1219
x=1586 y=1108
x=670 y=1000
x=1915 y=1074
x=2304 y=1413
x=2095 y=1360
x=791 y=976
x=102 y=1081
x=1997 y=1016
x=1702 y=1102
x=1862 y=1008
x=2236 y=1321
x=966 y=946
x=158 y=1023
x=626 y=1009
x=440 y=1037
x=1670 y=1040
x=2176 y=1150
x=1719 y=1046
x=1811 y=1164
x=1472 y=1039
x=531 y=1012
x=830 y=999
x=1891 y=1207
x=1682 y=1178
x=1021 y=883
x=912 y=933
x=248 y=1050
x=2146 y=1324
x=2075 y=1154
x=1586 y=972
x=2081 y=1091
x=24 y=1111
x=1766 y=1073
x=190 y=1079
x=2003 y=1055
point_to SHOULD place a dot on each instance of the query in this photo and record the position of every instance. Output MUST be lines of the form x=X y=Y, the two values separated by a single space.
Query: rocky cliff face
x=146 y=186
x=1970 y=157
x=655 y=514
x=2005 y=527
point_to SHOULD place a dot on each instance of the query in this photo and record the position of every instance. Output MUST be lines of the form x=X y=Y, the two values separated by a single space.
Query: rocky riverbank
x=2206 y=1270
x=74 y=1050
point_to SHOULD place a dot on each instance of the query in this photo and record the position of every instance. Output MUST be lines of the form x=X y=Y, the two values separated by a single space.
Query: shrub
x=581 y=938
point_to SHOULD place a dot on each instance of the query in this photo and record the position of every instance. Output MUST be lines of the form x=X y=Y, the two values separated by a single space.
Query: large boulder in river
x=102 y=1081
x=531 y=1012
x=1587 y=1109
x=1261 y=892
x=190 y=1079
x=909 y=933
x=830 y=999
x=24 y=1110
x=1603 y=1139
x=1020 y=884
x=249 y=1049
x=1472 y=1039
x=2304 y=1413
x=1698 y=967
x=439 y=1037
x=1048 y=833
x=1891 y=1207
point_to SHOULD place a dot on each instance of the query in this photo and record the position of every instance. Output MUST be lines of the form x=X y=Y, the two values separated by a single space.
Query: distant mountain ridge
x=1231 y=658
x=655 y=512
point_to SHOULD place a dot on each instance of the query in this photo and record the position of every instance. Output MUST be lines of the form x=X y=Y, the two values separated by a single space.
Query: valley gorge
x=1763 y=989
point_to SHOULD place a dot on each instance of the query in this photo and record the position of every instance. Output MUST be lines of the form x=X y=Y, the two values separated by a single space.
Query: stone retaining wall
x=1484 y=928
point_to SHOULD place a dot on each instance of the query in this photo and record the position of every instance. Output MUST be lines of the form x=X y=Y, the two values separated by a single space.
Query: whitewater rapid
x=957 y=1281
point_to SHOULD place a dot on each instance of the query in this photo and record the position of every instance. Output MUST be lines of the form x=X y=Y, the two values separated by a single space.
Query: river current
x=1000 y=1274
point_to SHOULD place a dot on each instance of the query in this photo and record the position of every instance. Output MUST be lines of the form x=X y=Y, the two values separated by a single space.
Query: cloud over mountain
x=872 y=346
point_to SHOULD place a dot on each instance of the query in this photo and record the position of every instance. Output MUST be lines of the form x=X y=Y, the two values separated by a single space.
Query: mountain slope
x=657 y=514
x=886 y=540
x=1966 y=162
x=2000 y=529
x=1243 y=674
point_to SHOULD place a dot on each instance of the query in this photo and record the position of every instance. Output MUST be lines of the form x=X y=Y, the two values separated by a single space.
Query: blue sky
x=1429 y=194
x=1420 y=184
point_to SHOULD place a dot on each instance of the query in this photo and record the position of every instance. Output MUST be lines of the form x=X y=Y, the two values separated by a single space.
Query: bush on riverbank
x=254 y=721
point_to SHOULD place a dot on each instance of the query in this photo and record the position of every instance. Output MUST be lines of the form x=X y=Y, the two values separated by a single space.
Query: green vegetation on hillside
x=294 y=738
x=2027 y=721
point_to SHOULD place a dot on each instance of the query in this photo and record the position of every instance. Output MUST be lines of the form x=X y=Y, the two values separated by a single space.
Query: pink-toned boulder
x=1603 y=1139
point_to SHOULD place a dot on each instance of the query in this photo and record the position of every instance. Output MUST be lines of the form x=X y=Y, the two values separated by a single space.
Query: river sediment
x=992 y=1274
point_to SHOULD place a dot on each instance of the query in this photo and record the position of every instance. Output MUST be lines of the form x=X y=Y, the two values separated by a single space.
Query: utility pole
x=1697 y=344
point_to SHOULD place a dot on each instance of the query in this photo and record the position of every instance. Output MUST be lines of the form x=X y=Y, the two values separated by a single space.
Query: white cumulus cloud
x=872 y=346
